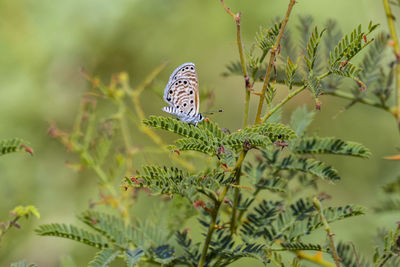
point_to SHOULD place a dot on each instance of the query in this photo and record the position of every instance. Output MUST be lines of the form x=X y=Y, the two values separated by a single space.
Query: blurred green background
x=43 y=45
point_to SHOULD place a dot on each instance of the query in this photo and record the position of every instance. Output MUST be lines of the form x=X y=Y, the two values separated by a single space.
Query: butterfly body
x=182 y=94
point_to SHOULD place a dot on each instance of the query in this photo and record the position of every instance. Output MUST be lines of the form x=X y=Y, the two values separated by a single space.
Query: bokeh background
x=43 y=45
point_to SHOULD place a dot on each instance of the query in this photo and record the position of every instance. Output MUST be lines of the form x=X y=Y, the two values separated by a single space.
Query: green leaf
x=301 y=246
x=276 y=220
x=26 y=211
x=109 y=226
x=306 y=165
x=301 y=118
x=238 y=139
x=331 y=145
x=314 y=85
x=312 y=47
x=393 y=187
x=346 y=69
x=22 y=264
x=72 y=232
x=103 y=258
x=194 y=144
x=348 y=257
x=133 y=257
x=290 y=71
x=389 y=204
x=266 y=38
x=14 y=145
x=175 y=181
x=234 y=68
x=270 y=93
x=274 y=131
x=181 y=128
x=350 y=45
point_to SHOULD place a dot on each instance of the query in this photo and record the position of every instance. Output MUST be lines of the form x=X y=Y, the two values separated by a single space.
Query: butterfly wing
x=182 y=91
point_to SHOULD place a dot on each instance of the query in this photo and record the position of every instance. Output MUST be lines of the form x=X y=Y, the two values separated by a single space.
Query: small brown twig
x=237 y=18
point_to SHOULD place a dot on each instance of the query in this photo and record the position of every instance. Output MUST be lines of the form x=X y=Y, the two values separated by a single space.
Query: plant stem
x=318 y=206
x=274 y=49
x=239 y=42
x=365 y=101
x=238 y=169
x=396 y=48
x=212 y=226
x=280 y=104
x=214 y=214
x=317 y=258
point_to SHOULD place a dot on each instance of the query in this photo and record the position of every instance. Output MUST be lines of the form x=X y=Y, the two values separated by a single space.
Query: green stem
x=318 y=206
x=365 y=101
x=241 y=213
x=211 y=227
x=280 y=104
x=237 y=18
x=214 y=214
x=272 y=60
x=396 y=48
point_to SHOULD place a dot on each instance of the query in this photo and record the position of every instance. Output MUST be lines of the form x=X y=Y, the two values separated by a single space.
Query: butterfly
x=182 y=94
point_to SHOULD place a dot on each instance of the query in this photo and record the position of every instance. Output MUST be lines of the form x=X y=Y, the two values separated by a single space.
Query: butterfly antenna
x=213 y=111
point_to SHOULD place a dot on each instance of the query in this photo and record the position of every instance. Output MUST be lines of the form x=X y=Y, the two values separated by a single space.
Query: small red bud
x=342 y=64
x=225 y=166
x=318 y=105
x=365 y=38
x=199 y=203
x=177 y=152
x=93 y=221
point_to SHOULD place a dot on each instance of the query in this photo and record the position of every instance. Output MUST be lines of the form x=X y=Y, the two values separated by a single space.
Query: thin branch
x=365 y=101
x=274 y=50
x=236 y=195
x=396 y=48
x=237 y=18
x=318 y=206
x=214 y=214
x=280 y=104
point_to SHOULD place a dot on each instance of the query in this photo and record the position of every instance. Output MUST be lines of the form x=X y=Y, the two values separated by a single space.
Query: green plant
x=245 y=187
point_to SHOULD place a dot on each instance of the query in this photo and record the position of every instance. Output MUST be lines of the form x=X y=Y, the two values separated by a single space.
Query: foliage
x=223 y=182
x=22 y=264
x=15 y=215
x=14 y=145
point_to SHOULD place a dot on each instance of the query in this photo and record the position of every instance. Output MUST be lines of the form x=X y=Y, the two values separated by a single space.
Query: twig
x=365 y=101
x=396 y=48
x=280 y=104
x=214 y=214
x=318 y=206
x=237 y=18
x=274 y=49
x=236 y=195
x=355 y=254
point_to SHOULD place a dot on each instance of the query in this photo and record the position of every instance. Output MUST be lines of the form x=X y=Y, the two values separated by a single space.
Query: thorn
x=228 y=201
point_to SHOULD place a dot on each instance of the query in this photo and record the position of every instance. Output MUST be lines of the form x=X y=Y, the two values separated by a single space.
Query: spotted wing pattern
x=182 y=94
